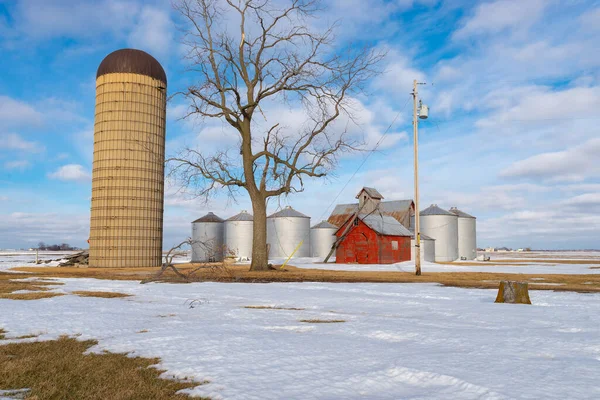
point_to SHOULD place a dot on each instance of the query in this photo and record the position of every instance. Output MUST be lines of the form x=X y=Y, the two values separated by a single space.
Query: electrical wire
x=381 y=139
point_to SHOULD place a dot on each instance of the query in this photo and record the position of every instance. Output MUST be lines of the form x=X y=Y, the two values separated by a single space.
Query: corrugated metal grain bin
x=443 y=227
x=322 y=238
x=467 y=234
x=238 y=235
x=286 y=229
x=427 y=248
x=126 y=226
x=207 y=236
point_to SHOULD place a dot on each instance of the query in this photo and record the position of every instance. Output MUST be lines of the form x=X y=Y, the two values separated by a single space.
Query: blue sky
x=513 y=88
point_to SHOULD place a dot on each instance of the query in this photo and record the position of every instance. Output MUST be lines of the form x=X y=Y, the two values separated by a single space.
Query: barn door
x=362 y=249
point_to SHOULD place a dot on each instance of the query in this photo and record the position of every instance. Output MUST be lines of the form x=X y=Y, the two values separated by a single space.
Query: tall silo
x=322 y=238
x=207 y=237
x=467 y=234
x=442 y=226
x=126 y=227
x=286 y=229
x=238 y=235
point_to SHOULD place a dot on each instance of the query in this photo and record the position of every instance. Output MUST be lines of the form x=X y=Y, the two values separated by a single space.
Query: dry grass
x=58 y=369
x=8 y=284
x=105 y=295
x=30 y=295
x=240 y=273
x=322 y=321
x=274 y=308
x=2 y=334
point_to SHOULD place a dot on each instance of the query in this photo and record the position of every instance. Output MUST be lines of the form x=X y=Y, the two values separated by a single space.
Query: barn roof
x=435 y=210
x=384 y=224
x=460 y=214
x=372 y=192
x=243 y=216
x=324 y=225
x=399 y=209
x=210 y=217
x=288 y=212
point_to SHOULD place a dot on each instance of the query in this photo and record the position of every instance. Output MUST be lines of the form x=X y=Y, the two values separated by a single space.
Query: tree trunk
x=513 y=292
x=260 y=258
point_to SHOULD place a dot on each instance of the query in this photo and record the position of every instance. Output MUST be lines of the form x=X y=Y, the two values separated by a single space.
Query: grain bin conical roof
x=132 y=61
x=324 y=225
x=243 y=216
x=210 y=217
x=460 y=214
x=288 y=212
x=435 y=210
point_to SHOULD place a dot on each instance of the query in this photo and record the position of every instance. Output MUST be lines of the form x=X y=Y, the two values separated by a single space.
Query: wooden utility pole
x=416 y=148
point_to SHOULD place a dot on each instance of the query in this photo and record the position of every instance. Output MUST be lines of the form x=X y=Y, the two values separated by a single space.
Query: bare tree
x=271 y=55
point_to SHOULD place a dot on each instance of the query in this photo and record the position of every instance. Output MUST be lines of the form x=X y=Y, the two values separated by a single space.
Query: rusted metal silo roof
x=324 y=225
x=210 y=217
x=243 y=216
x=288 y=212
x=460 y=214
x=132 y=61
x=435 y=210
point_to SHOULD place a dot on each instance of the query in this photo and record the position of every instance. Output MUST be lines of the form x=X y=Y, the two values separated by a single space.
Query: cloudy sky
x=513 y=134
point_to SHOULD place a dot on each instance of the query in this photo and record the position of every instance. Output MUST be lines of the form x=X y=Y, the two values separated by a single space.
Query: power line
x=366 y=158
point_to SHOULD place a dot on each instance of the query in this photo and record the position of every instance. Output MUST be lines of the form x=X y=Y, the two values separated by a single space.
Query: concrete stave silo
x=126 y=224
x=286 y=229
x=467 y=234
x=442 y=226
x=207 y=237
x=322 y=238
x=238 y=235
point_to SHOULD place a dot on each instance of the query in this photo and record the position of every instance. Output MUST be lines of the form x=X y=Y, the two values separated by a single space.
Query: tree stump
x=513 y=292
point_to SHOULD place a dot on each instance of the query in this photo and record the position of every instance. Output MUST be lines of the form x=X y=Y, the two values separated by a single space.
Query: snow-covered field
x=398 y=341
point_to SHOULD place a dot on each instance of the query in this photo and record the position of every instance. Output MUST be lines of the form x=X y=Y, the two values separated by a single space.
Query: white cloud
x=498 y=15
x=18 y=164
x=570 y=165
x=153 y=32
x=71 y=172
x=591 y=19
x=15 y=113
x=13 y=141
x=23 y=229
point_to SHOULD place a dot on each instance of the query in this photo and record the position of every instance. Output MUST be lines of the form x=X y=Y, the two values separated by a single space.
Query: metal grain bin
x=286 y=229
x=322 y=238
x=467 y=234
x=238 y=235
x=126 y=224
x=442 y=226
x=427 y=248
x=207 y=236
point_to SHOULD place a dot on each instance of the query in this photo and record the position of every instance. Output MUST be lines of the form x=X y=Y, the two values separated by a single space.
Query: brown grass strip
x=240 y=273
x=2 y=334
x=58 y=369
x=30 y=295
x=323 y=321
x=105 y=295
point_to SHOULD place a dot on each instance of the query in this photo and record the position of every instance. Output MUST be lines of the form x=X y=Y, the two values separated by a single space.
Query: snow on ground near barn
x=399 y=340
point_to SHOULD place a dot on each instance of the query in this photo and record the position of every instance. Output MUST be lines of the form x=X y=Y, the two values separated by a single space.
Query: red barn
x=373 y=238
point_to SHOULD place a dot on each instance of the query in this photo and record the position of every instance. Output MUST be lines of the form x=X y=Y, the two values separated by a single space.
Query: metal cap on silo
x=210 y=217
x=324 y=225
x=435 y=210
x=288 y=212
x=460 y=214
x=242 y=216
x=131 y=61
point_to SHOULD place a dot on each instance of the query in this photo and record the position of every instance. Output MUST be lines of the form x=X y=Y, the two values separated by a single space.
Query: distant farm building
x=373 y=238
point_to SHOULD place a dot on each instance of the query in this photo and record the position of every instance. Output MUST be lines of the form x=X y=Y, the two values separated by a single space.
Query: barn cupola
x=368 y=200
